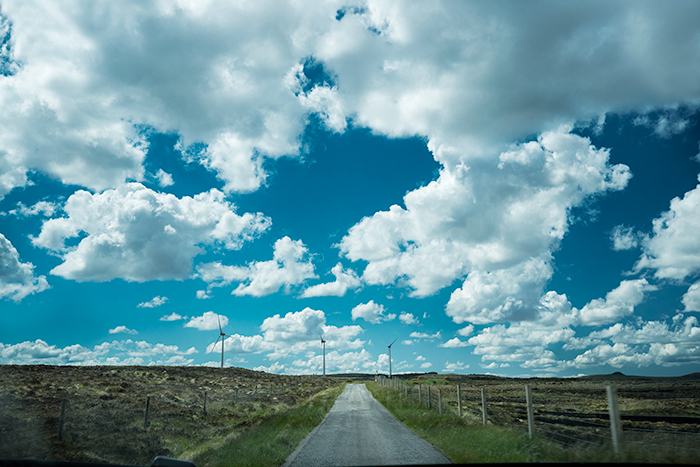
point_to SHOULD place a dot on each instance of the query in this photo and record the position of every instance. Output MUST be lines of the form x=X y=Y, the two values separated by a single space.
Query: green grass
x=465 y=441
x=268 y=442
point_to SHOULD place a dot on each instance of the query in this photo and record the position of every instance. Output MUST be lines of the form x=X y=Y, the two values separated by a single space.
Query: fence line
x=581 y=419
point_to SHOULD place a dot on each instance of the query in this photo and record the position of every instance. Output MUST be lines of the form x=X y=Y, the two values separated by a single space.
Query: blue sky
x=502 y=190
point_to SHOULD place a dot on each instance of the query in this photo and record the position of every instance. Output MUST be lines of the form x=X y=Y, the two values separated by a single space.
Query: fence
x=569 y=415
x=128 y=415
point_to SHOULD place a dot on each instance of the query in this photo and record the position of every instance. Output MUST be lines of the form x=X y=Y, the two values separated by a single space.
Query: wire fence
x=653 y=414
x=128 y=415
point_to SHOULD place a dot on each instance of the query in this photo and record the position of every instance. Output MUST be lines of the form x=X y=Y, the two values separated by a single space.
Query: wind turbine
x=323 y=343
x=390 y=356
x=222 y=336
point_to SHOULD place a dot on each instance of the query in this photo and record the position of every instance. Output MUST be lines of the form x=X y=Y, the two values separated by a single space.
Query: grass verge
x=464 y=441
x=268 y=442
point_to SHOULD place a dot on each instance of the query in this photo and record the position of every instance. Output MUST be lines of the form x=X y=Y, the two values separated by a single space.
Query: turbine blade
x=219 y=318
x=392 y=342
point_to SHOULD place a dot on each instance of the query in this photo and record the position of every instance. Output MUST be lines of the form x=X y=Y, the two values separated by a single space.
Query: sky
x=501 y=187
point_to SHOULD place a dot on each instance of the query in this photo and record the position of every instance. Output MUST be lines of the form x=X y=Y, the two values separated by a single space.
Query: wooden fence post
x=440 y=400
x=235 y=401
x=420 y=399
x=148 y=404
x=615 y=422
x=459 y=400
x=61 y=418
x=204 y=410
x=270 y=391
x=483 y=404
x=429 y=401
x=530 y=412
x=256 y=391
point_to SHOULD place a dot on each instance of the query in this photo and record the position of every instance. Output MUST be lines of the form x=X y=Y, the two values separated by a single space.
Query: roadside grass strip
x=269 y=441
x=466 y=441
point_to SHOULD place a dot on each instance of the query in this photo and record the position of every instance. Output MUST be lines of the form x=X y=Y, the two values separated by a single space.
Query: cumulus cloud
x=164 y=178
x=453 y=367
x=496 y=220
x=454 y=343
x=17 y=279
x=137 y=234
x=42 y=208
x=123 y=329
x=524 y=343
x=209 y=321
x=154 y=302
x=425 y=335
x=291 y=265
x=407 y=318
x=172 y=317
x=372 y=313
x=642 y=344
x=293 y=334
x=85 y=90
x=345 y=279
x=691 y=299
x=126 y=352
x=617 y=304
x=623 y=238
x=673 y=248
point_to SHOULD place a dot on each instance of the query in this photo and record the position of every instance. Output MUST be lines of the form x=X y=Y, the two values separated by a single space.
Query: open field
x=660 y=416
x=105 y=409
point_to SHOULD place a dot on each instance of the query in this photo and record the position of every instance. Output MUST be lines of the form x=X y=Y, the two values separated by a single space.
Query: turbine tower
x=390 y=356
x=222 y=336
x=323 y=343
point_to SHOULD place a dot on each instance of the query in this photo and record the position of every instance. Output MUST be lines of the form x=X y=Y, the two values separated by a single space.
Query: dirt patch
x=105 y=409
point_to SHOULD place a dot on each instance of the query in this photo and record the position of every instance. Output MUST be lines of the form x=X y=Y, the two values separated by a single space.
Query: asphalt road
x=358 y=430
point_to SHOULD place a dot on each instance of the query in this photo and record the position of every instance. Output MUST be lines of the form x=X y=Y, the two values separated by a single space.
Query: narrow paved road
x=358 y=430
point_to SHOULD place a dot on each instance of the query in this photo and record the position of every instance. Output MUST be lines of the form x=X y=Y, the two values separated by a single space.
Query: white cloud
x=673 y=249
x=424 y=335
x=293 y=334
x=617 y=304
x=420 y=358
x=426 y=365
x=525 y=343
x=407 y=318
x=42 y=208
x=372 y=313
x=643 y=344
x=500 y=215
x=84 y=85
x=407 y=342
x=164 y=178
x=453 y=367
x=123 y=329
x=154 y=302
x=137 y=234
x=203 y=295
x=623 y=238
x=17 y=279
x=466 y=331
x=290 y=266
x=344 y=280
x=454 y=343
x=126 y=352
x=209 y=321
x=691 y=299
x=172 y=317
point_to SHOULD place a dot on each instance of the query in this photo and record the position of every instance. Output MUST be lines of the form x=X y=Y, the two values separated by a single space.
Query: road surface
x=358 y=430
